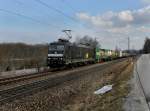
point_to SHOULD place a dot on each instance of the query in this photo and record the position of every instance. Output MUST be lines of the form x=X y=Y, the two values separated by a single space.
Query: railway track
x=27 y=89
x=9 y=80
x=5 y=81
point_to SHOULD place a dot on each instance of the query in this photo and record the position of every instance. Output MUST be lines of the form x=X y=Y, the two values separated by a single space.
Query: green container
x=97 y=51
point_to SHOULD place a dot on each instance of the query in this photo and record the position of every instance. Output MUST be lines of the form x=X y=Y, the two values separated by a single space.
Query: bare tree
x=19 y=55
x=87 y=40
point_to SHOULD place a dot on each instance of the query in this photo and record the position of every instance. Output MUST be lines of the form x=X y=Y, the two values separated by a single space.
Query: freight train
x=64 y=53
x=103 y=55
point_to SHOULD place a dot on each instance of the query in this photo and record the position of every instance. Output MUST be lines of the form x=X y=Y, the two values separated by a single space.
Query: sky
x=111 y=22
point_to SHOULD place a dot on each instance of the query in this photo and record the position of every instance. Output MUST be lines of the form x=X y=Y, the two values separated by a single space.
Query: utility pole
x=129 y=48
x=128 y=44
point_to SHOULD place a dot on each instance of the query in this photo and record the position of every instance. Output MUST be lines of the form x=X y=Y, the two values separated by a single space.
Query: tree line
x=20 y=55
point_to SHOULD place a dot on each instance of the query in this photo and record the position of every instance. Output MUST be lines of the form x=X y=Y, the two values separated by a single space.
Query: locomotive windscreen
x=56 y=47
x=56 y=50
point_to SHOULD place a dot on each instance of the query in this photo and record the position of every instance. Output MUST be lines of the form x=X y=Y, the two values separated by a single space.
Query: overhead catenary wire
x=21 y=3
x=72 y=8
x=27 y=17
x=56 y=10
x=42 y=22
x=60 y=12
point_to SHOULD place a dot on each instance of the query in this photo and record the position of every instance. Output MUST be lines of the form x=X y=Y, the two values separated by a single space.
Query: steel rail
x=5 y=81
x=27 y=89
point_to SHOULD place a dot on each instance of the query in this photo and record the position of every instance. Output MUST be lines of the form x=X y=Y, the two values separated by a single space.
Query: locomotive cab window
x=56 y=47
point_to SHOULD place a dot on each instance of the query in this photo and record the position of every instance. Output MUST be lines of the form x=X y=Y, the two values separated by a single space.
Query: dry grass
x=77 y=95
x=111 y=101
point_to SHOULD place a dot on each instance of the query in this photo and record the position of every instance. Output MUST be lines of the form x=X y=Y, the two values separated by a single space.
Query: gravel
x=77 y=95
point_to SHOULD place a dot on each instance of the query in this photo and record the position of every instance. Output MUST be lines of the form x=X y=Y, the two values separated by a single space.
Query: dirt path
x=77 y=95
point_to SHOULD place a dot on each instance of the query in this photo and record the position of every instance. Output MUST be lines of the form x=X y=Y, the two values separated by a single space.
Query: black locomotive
x=64 y=53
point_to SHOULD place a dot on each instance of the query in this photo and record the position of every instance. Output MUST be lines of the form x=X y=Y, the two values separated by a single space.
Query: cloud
x=120 y=19
x=117 y=26
x=144 y=29
x=146 y=1
x=126 y=16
